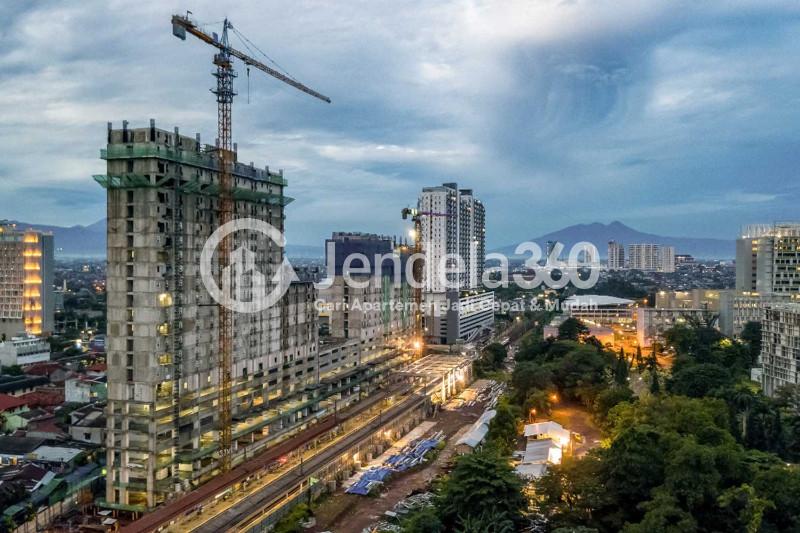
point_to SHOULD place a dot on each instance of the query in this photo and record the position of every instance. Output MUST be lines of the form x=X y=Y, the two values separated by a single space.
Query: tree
x=610 y=398
x=503 y=427
x=529 y=376
x=621 y=369
x=743 y=399
x=495 y=354
x=751 y=335
x=423 y=521
x=481 y=484
x=781 y=486
x=571 y=329
x=664 y=515
x=699 y=380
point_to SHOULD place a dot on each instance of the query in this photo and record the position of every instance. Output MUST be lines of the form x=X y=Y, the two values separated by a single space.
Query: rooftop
x=19 y=445
x=8 y=402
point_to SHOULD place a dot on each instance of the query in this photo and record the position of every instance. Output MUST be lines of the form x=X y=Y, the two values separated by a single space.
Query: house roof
x=547 y=428
x=55 y=454
x=42 y=369
x=44 y=397
x=15 y=383
x=19 y=445
x=8 y=402
x=478 y=431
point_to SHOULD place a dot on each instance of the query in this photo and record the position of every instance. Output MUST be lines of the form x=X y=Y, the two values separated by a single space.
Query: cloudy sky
x=678 y=118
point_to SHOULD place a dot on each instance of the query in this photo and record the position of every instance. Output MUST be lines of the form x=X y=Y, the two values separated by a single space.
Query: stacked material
x=409 y=457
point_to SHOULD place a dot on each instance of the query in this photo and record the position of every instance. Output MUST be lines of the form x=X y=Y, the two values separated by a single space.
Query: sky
x=675 y=117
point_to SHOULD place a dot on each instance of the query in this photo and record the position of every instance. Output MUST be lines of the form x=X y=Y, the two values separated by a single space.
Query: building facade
x=768 y=259
x=27 y=298
x=616 y=255
x=780 y=346
x=650 y=257
x=163 y=359
x=454 y=223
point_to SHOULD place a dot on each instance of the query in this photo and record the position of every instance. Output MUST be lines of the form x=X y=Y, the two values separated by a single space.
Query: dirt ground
x=350 y=513
x=577 y=419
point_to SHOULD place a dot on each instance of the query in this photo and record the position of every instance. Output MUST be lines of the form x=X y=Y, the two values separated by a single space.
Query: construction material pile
x=409 y=457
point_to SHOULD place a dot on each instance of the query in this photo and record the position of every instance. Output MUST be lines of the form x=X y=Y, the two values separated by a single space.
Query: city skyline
x=650 y=98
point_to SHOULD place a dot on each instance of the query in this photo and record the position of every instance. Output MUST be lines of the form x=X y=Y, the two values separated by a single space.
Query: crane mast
x=225 y=74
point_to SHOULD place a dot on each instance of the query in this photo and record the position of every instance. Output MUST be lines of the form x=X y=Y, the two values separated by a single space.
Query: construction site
x=218 y=420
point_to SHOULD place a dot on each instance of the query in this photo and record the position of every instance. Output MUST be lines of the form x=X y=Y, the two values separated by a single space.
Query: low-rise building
x=24 y=350
x=546 y=444
x=14 y=450
x=85 y=389
x=651 y=322
x=11 y=411
x=88 y=424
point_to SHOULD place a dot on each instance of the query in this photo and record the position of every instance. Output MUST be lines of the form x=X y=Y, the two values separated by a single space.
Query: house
x=11 y=411
x=85 y=389
x=44 y=397
x=46 y=427
x=55 y=372
x=30 y=476
x=88 y=424
x=14 y=450
x=19 y=385
x=58 y=459
x=546 y=444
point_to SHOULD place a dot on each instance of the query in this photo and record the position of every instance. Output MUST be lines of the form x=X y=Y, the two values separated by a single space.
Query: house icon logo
x=242 y=287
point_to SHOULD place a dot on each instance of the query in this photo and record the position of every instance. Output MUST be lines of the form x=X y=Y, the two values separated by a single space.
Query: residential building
x=162 y=345
x=85 y=389
x=708 y=299
x=616 y=255
x=768 y=259
x=11 y=410
x=780 y=346
x=88 y=424
x=650 y=257
x=454 y=224
x=24 y=350
x=27 y=296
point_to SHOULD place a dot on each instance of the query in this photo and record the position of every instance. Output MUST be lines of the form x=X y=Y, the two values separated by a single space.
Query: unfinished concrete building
x=163 y=415
x=163 y=430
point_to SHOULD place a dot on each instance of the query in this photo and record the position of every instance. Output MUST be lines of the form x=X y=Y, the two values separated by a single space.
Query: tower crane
x=416 y=216
x=225 y=74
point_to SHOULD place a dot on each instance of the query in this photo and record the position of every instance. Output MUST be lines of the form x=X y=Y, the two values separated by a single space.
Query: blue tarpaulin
x=412 y=455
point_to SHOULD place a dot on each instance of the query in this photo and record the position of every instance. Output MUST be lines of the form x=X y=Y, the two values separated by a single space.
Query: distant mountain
x=90 y=241
x=599 y=235
x=75 y=241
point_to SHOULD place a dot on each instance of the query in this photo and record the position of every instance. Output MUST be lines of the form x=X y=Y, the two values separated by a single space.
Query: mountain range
x=600 y=234
x=90 y=241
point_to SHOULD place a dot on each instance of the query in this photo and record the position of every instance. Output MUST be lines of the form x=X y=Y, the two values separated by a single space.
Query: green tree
x=503 y=427
x=424 y=520
x=571 y=329
x=481 y=484
x=699 y=380
x=751 y=335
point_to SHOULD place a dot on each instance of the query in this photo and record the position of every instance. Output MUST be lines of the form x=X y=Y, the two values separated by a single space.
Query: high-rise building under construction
x=163 y=372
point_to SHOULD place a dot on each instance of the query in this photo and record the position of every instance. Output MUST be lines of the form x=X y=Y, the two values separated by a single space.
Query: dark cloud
x=676 y=117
